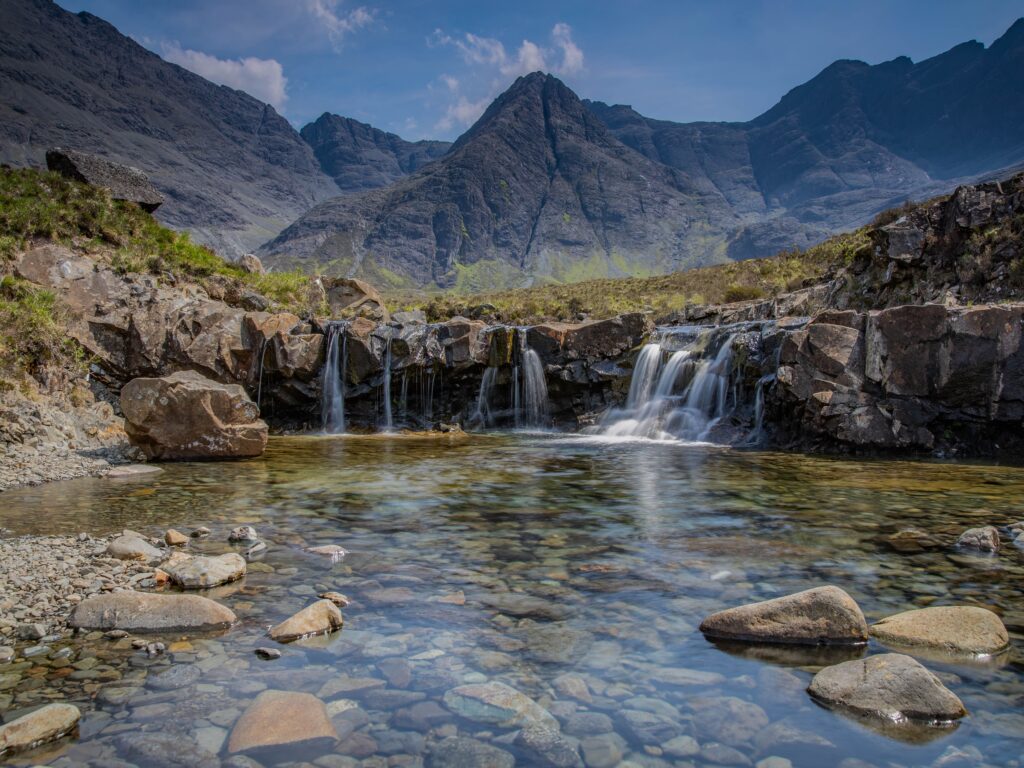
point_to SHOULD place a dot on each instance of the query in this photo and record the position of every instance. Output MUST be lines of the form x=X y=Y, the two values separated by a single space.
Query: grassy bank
x=738 y=281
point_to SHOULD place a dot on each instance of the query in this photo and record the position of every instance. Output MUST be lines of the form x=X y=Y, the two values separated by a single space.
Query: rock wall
x=925 y=378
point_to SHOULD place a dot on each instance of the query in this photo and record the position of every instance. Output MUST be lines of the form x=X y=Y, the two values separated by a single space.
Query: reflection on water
x=523 y=558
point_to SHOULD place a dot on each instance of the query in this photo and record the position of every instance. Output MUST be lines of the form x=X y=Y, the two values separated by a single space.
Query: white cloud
x=339 y=23
x=561 y=57
x=262 y=78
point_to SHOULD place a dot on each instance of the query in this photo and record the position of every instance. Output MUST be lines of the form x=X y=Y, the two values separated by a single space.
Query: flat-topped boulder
x=202 y=571
x=38 y=727
x=281 y=718
x=123 y=182
x=955 y=629
x=889 y=686
x=150 y=612
x=820 y=616
x=188 y=416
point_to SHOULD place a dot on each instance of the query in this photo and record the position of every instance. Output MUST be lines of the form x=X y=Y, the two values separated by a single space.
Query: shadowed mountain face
x=233 y=170
x=360 y=157
x=537 y=188
x=852 y=141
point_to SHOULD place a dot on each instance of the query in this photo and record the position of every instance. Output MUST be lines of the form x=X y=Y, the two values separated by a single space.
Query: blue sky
x=426 y=69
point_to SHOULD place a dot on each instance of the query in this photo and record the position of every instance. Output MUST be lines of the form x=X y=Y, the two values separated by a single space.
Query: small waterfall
x=388 y=420
x=685 y=397
x=403 y=397
x=758 y=431
x=482 y=414
x=259 y=372
x=530 y=394
x=332 y=395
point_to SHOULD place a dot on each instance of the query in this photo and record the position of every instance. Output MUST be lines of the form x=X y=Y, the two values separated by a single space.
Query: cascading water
x=531 y=390
x=332 y=395
x=388 y=420
x=482 y=415
x=259 y=373
x=682 y=398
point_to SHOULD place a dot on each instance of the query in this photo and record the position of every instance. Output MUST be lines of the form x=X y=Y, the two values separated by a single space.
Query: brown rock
x=319 y=618
x=187 y=416
x=38 y=727
x=954 y=629
x=278 y=718
x=150 y=612
x=819 y=616
x=175 y=538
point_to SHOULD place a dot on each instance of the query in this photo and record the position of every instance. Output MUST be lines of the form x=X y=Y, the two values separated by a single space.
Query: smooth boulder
x=889 y=686
x=278 y=718
x=188 y=416
x=960 y=629
x=131 y=547
x=320 y=618
x=150 y=612
x=499 y=704
x=202 y=571
x=984 y=539
x=38 y=727
x=819 y=616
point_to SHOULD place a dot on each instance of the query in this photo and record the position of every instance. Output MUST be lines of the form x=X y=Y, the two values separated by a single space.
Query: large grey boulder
x=819 y=616
x=956 y=629
x=150 y=612
x=187 y=416
x=890 y=686
x=123 y=182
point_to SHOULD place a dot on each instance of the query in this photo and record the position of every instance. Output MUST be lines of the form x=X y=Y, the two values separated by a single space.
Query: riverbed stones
x=728 y=719
x=962 y=629
x=322 y=617
x=38 y=727
x=203 y=572
x=188 y=416
x=983 y=539
x=464 y=752
x=497 y=703
x=132 y=547
x=819 y=616
x=547 y=747
x=278 y=718
x=150 y=612
x=890 y=686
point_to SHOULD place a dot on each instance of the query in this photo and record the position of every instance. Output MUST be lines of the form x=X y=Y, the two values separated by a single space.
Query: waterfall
x=403 y=397
x=388 y=421
x=259 y=372
x=530 y=394
x=332 y=395
x=682 y=398
x=482 y=414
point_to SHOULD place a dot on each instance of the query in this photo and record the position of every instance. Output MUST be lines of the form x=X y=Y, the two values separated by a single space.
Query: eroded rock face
x=904 y=378
x=959 y=629
x=819 y=616
x=278 y=718
x=890 y=686
x=186 y=416
x=150 y=612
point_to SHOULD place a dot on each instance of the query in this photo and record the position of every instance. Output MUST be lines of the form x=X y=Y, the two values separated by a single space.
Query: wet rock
x=823 y=615
x=202 y=572
x=268 y=654
x=132 y=470
x=909 y=540
x=588 y=724
x=165 y=750
x=188 y=416
x=178 y=676
x=573 y=687
x=130 y=547
x=278 y=718
x=38 y=727
x=357 y=744
x=464 y=752
x=556 y=643
x=333 y=552
x=422 y=716
x=890 y=686
x=984 y=539
x=784 y=738
x=6 y=654
x=497 y=703
x=650 y=727
x=604 y=751
x=514 y=604
x=681 y=746
x=335 y=597
x=547 y=747
x=953 y=629
x=322 y=617
x=727 y=719
x=200 y=532
x=31 y=632
x=721 y=754
x=150 y=612
x=349 y=297
x=173 y=538
x=243 y=533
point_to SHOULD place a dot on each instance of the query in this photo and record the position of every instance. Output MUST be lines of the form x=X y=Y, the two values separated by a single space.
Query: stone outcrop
x=150 y=612
x=910 y=377
x=123 y=183
x=819 y=616
x=961 y=629
x=889 y=686
x=186 y=416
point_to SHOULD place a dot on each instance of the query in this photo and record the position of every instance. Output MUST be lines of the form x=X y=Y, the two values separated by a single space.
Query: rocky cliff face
x=360 y=157
x=854 y=140
x=234 y=171
x=537 y=187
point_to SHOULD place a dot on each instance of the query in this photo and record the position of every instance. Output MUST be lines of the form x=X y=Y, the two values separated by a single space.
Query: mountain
x=852 y=141
x=538 y=188
x=360 y=157
x=234 y=171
